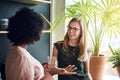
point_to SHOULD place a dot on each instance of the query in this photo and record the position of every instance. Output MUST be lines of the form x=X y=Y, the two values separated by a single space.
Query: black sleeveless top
x=70 y=58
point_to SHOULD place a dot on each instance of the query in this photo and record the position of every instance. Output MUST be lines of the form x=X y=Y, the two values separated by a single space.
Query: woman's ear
x=34 y=41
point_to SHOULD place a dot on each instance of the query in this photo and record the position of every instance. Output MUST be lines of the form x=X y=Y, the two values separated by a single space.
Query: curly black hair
x=25 y=27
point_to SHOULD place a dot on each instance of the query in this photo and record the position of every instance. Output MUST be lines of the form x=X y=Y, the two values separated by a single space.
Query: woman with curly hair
x=25 y=28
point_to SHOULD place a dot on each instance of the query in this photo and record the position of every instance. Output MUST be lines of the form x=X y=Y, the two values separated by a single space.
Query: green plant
x=115 y=58
x=101 y=18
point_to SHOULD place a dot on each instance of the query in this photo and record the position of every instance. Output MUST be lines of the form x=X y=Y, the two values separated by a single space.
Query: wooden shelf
x=33 y=1
x=3 y=32
x=44 y=31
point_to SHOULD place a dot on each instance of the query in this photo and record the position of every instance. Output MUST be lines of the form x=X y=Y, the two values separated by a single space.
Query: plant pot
x=97 y=67
x=118 y=70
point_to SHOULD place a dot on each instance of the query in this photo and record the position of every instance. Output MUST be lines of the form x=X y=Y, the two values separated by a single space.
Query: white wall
x=57 y=10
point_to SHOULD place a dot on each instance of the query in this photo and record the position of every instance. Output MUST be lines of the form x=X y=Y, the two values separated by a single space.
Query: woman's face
x=73 y=31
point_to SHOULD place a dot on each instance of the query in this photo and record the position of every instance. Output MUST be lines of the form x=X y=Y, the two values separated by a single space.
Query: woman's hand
x=46 y=66
x=69 y=70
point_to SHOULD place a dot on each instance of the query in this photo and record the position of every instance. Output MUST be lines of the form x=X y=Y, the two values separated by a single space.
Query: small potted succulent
x=115 y=59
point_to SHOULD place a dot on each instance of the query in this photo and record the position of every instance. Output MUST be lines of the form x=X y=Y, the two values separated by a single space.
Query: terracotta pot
x=118 y=70
x=97 y=67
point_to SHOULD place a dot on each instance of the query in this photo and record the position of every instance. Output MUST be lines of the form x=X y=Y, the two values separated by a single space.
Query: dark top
x=70 y=58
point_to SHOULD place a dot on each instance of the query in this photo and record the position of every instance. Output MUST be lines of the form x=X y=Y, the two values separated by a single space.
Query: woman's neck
x=73 y=43
x=24 y=46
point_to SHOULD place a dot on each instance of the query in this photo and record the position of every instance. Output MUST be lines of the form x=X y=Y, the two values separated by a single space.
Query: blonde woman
x=73 y=51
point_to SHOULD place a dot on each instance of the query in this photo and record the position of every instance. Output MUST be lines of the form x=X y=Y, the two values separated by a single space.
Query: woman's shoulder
x=58 y=43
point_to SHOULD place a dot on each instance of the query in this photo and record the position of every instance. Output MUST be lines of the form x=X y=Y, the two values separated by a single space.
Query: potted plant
x=115 y=59
x=101 y=18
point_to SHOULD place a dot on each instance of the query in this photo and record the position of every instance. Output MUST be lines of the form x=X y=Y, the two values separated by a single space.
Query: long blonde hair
x=82 y=39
